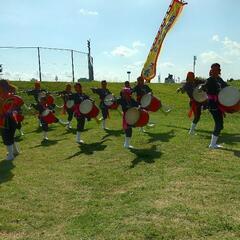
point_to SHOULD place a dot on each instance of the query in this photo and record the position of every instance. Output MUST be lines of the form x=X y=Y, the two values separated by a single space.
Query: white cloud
x=215 y=38
x=124 y=51
x=166 y=65
x=137 y=44
x=135 y=66
x=88 y=13
x=232 y=47
x=211 y=56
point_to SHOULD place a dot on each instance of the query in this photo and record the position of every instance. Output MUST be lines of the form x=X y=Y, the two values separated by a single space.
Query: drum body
x=48 y=116
x=109 y=101
x=136 y=117
x=199 y=95
x=12 y=102
x=70 y=104
x=150 y=103
x=88 y=108
x=229 y=99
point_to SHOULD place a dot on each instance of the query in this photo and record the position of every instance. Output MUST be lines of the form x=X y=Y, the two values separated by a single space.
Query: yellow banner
x=149 y=69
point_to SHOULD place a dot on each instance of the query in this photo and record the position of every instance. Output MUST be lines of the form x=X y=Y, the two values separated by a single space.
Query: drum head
x=45 y=112
x=85 y=106
x=199 y=95
x=41 y=95
x=146 y=100
x=132 y=116
x=70 y=103
x=108 y=100
x=229 y=96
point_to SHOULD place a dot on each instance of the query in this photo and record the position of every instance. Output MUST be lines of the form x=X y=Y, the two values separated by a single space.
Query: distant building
x=169 y=79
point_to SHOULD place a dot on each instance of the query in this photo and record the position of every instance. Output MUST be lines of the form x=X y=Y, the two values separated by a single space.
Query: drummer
x=36 y=91
x=126 y=101
x=102 y=93
x=66 y=95
x=213 y=86
x=195 y=107
x=78 y=97
x=141 y=89
x=126 y=85
x=41 y=107
x=8 y=122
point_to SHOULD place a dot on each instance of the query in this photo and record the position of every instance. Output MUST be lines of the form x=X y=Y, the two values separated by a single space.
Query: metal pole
x=73 y=77
x=194 y=63
x=39 y=65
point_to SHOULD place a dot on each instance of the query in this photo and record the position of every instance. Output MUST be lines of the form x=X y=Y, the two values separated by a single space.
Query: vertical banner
x=149 y=69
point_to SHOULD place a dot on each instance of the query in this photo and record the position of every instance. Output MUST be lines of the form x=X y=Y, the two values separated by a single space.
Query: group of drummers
x=213 y=94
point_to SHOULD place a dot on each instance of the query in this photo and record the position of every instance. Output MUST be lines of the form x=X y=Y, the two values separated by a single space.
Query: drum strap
x=219 y=106
x=124 y=122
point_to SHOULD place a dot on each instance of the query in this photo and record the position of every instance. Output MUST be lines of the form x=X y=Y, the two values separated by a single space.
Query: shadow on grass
x=89 y=149
x=234 y=151
x=229 y=138
x=145 y=155
x=115 y=133
x=74 y=131
x=5 y=171
x=163 y=137
x=187 y=129
x=39 y=130
x=46 y=143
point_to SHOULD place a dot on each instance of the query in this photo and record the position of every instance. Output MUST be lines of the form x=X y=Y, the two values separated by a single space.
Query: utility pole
x=90 y=62
x=1 y=70
x=73 y=77
x=194 y=63
x=39 y=65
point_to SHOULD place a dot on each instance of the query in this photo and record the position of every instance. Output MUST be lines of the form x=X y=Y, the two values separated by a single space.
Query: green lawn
x=171 y=186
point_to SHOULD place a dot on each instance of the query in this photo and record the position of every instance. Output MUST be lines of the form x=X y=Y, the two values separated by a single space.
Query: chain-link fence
x=45 y=64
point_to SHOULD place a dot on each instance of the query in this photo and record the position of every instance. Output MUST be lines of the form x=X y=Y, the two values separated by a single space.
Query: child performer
x=195 y=107
x=102 y=93
x=126 y=101
x=8 y=119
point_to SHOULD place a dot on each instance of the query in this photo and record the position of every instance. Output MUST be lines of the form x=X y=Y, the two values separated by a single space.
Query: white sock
x=192 y=128
x=78 y=137
x=213 y=143
x=15 y=149
x=45 y=135
x=103 y=123
x=10 y=155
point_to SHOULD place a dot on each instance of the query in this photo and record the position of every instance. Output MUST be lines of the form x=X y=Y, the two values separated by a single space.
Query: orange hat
x=37 y=84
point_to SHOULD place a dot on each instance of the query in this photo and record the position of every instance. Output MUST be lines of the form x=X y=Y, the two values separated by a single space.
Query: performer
x=126 y=85
x=195 y=107
x=36 y=91
x=66 y=96
x=141 y=89
x=102 y=93
x=126 y=101
x=213 y=86
x=9 y=117
x=78 y=97
x=46 y=115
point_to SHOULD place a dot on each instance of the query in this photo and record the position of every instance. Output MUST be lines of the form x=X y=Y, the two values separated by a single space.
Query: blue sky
x=121 y=34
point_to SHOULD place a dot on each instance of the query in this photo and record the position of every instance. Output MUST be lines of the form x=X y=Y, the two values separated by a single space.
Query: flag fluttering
x=149 y=69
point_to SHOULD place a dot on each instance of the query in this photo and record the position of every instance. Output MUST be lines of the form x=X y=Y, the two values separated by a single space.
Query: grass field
x=171 y=186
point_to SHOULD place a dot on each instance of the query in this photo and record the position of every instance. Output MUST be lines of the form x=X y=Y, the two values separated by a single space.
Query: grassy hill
x=171 y=186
